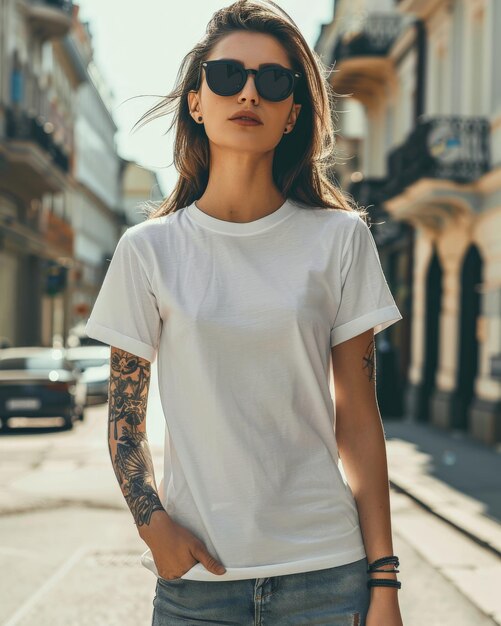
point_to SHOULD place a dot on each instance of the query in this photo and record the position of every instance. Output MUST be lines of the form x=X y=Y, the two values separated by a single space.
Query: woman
x=248 y=282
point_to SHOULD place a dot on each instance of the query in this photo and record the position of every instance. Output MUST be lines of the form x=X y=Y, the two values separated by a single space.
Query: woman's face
x=252 y=49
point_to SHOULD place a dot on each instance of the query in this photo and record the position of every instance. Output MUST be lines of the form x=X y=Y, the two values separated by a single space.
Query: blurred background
x=418 y=144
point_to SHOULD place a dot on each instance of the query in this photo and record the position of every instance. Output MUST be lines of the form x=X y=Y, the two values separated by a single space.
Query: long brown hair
x=303 y=159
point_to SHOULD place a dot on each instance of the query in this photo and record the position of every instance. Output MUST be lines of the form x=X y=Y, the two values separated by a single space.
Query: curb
x=483 y=522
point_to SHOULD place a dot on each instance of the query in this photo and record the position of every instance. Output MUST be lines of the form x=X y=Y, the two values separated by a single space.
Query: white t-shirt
x=242 y=317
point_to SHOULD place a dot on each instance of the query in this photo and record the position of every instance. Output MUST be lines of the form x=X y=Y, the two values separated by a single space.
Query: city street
x=328 y=187
x=70 y=551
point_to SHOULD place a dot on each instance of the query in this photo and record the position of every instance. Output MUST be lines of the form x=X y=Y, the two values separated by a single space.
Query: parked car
x=94 y=362
x=78 y=337
x=40 y=382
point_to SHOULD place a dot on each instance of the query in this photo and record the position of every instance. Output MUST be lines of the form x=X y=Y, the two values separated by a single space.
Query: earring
x=199 y=118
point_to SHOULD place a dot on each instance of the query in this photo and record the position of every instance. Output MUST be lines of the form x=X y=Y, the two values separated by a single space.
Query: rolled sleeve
x=366 y=300
x=126 y=312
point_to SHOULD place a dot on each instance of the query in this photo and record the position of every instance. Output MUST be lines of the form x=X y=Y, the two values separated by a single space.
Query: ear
x=193 y=102
x=294 y=114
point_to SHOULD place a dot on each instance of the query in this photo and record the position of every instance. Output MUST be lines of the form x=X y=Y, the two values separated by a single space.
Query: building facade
x=62 y=198
x=421 y=76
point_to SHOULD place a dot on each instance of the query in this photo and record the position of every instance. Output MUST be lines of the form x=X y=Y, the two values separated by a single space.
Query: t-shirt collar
x=240 y=228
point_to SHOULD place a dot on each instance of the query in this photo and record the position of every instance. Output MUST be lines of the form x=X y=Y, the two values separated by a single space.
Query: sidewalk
x=458 y=480
x=452 y=475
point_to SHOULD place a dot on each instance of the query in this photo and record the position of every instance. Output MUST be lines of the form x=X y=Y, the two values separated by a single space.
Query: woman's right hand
x=175 y=549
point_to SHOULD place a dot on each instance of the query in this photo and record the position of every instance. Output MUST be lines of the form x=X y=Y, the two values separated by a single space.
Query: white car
x=94 y=363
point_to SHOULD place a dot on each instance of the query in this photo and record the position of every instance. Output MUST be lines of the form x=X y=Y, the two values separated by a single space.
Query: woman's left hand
x=384 y=611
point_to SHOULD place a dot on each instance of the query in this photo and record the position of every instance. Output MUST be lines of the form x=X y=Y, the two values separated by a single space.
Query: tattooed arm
x=175 y=549
x=362 y=447
x=127 y=440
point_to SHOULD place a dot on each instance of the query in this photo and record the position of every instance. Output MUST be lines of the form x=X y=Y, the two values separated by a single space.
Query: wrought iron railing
x=21 y=126
x=368 y=191
x=64 y=5
x=451 y=147
x=371 y=36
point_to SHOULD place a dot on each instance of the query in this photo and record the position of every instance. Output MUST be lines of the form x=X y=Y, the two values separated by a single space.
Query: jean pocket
x=169 y=581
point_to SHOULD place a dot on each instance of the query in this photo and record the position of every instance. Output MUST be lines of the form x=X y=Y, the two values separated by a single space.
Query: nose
x=249 y=89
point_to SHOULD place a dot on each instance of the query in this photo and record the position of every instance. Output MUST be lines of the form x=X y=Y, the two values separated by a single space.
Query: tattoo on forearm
x=127 y=442
x=369 y=360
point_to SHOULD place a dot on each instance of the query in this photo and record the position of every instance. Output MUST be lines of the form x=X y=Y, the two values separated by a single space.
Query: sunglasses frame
x=295 y=76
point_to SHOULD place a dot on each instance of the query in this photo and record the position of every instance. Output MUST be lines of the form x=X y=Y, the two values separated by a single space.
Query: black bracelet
x=383 y=561
x=384 y=570
x=383 y=582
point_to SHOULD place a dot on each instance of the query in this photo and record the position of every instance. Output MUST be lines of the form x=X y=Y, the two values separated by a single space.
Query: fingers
x=208 y=561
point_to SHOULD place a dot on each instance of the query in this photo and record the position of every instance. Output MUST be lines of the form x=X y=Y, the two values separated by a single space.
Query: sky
x=138 y=48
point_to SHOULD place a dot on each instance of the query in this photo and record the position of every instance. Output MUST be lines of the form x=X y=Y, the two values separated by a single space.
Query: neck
x=240 y=188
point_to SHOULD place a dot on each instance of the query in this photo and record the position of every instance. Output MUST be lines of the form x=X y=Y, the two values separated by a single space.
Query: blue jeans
x=336 y=596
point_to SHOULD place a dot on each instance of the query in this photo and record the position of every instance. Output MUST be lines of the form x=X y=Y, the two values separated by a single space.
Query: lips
x=244 y=114
x=245 y=122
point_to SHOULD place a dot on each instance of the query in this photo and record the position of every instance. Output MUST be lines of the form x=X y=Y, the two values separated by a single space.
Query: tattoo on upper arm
x=369 y=360
x=127 y=440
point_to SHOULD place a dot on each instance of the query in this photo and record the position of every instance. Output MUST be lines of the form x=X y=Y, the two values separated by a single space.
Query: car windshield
x=85 y=363
x=32 y=363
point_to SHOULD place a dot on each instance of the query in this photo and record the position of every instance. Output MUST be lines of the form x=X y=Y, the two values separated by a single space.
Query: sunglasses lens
x=275 y=84
x=227 y=78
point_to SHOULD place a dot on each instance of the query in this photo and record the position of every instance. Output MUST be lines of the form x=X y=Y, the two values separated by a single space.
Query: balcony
x=368 y=191
x=432 y=177
x=369 y=194
x=32 y=158
x=48 y=18
x=20 y=126
x=361 y=54
x=449 y=147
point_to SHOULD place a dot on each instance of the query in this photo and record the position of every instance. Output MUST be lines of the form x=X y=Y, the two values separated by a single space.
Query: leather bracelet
x=384 y=570
x=383 y=561
x=384 y=582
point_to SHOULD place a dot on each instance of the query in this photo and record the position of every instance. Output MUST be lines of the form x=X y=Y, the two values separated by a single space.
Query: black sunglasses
x=226 y=77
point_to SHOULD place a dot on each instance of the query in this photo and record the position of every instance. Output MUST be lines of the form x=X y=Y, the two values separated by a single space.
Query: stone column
x=485 y=413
